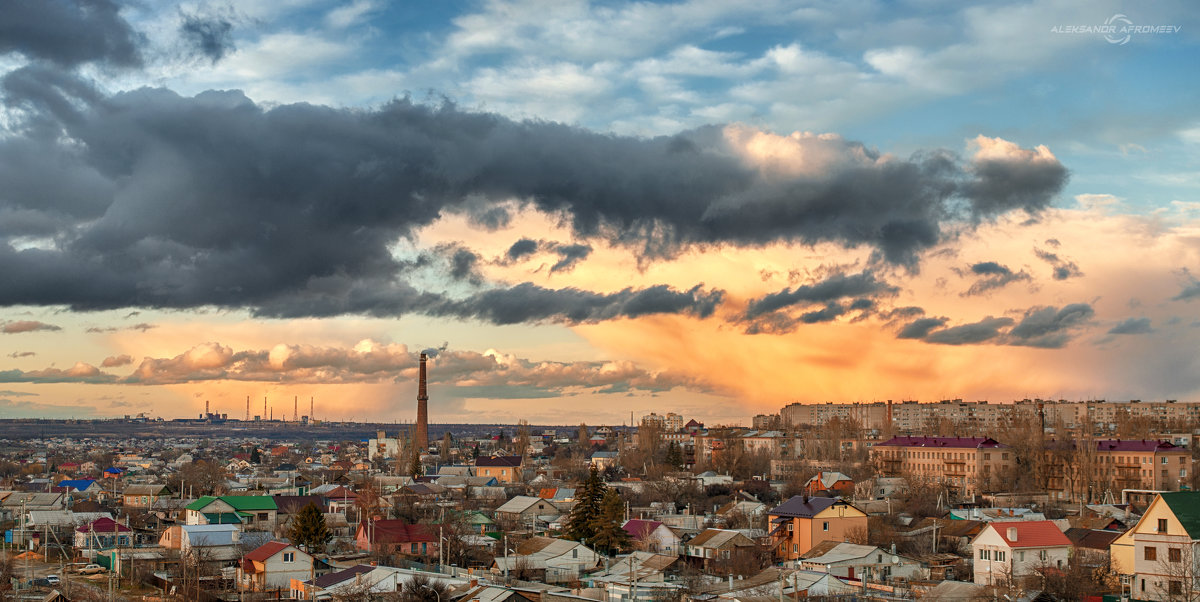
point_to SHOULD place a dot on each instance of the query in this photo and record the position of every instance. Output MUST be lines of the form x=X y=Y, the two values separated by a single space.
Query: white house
x=1017 y=549
x=272 y=566
x=855 y=561
x=652 y=536
x=562 y=560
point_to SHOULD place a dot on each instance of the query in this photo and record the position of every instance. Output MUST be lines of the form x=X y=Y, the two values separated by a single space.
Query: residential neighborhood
x=669 y=509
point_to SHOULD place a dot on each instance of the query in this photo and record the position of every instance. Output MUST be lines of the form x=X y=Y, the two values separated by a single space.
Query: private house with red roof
x=652 y=536
x=803 y=522
x=1017 y=549
x=505 y=469
x=969 y=464
x=272 y=566
x=829 y=484
x=102 y=533
x=393 y=536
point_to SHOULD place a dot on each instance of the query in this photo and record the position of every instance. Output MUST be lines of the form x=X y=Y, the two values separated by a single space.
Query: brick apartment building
x=1116 y=464
x=969 y=464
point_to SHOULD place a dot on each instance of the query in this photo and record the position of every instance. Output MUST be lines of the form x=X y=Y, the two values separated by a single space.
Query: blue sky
x=869 y=183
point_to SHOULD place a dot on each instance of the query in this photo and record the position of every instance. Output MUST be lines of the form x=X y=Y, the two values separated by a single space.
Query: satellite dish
x=895 y=559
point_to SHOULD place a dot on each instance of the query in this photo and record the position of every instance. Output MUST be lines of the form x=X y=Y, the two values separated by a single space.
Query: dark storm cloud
x=835 y=287
x=992 y=276
x=20 y=354
x=1001 y=184
x=462 y=264
x=1190 y=291
x=210 y=36
x=985 y=330
x=1050 y=327
x=521 y=248
x=528 y=302
x=569 y=255
x=68 y=32
x=1062 y=268
x=1132 y=326
x=920 y=328
x=178 y=202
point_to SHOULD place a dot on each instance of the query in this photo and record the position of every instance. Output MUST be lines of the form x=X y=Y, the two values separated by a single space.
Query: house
x=103 y=533
x=829 y=484
x=719 y=550
x=527 y=511
x=253 y=511
x=505 y=469
x=392 y=536
x=603 y=460
x=1166 y=547
x=554 y=560
x=803 y=522
x=652 y=536
x=87 y=487
x=1017 y=549
x=272 y=566
x=856 y=561
x=143 y=496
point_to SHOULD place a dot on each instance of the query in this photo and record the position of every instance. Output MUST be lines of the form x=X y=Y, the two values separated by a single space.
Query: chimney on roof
x=1012 y=533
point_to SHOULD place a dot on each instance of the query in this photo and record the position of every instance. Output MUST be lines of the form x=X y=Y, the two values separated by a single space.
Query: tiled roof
x=1141 y=445
x=267 y=550
x=397 y=531
x=952 y=442
x=1185 y=505
x=502 y=461
x=102 y=526
x=1031 y=534
x=639 y=528
x=800 y=506
x=332 y=579
x=1094 y=539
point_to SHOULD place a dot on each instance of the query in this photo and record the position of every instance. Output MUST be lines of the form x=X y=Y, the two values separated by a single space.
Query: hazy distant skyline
x=585 y=210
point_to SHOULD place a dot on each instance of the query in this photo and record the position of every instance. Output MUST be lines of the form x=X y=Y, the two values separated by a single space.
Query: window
x=413 y=549
x=1175 y=588
x=1021 y=556
x=1174 y=554
x=999 y=556
x=1164 y=460
x=1043 y=555
x=262 y=516
x=289 y=556
x=575 y=553
x=985 y=554
x=1162 y=525
x=825 y=526
x=1151 y=553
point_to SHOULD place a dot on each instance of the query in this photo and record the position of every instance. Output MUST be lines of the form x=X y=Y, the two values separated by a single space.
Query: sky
x=588 y=211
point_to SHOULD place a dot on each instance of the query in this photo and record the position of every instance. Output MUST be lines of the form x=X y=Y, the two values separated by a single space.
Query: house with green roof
x=250 y=512
x=1163 y=549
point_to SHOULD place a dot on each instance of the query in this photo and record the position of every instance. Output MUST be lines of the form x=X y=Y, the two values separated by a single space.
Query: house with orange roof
x=1016 y=550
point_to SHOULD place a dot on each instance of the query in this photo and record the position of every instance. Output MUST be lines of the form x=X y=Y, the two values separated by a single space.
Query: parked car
x=52 y=580
x=92 y=569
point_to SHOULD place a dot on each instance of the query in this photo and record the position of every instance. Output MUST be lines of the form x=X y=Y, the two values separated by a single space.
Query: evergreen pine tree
x=414 y=464
x=587 y=507
x=255 y=457
x=309 y=530
x=607 y=534
x=674 y=457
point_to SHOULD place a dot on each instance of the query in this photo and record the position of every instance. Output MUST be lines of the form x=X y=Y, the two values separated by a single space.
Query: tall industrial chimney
x=247 y=408
x=422 y=437
x=295 y=408
x=311 y=416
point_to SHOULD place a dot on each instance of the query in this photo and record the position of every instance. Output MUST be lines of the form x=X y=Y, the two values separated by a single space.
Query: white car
x=52 y=580
x=92 y=569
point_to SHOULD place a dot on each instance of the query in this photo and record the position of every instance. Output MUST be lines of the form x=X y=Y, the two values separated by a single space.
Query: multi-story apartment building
x=982 y=416
x=968 y=464
x=1114 y=464
x=671 y=423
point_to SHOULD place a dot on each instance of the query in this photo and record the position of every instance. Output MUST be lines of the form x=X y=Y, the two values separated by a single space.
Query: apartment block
x=968 y=464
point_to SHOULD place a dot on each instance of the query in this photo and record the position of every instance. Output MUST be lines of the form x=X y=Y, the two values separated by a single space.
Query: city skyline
x=710 y=208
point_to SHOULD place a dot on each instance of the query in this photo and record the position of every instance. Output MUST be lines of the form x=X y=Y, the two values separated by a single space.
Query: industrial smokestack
x=247 y=408
x=422 y=436
x=295 y=408
x=206 y=408
x=311 y=415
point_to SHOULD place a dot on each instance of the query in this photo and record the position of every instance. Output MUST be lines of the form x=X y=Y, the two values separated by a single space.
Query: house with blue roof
x=84 y=486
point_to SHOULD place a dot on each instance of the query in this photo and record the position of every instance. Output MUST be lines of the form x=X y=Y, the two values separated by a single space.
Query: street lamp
x=435 y=592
